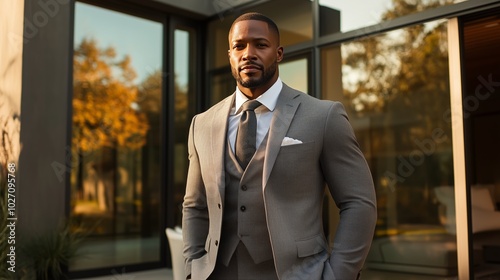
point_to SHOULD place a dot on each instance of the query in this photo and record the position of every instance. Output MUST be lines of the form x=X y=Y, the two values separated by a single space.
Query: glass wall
x=117 y=105
x=395 y=88
x=294 y=72
x=482 y=121
x=184 y=91
x=357 y=14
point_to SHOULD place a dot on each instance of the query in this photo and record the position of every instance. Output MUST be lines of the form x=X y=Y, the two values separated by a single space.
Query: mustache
x=251 y=64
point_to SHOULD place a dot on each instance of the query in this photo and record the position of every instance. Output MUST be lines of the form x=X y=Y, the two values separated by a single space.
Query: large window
x=294 y=72
x=356 y=14
x=184 y=91
x=117 y=105
x=481 y=104
x=395 y=88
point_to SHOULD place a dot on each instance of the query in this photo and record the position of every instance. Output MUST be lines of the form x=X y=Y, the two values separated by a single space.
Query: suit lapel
x=284 y=112
x=218 y=139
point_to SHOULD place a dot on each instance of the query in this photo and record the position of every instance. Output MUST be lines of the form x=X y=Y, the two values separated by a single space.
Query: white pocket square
x=287 y=141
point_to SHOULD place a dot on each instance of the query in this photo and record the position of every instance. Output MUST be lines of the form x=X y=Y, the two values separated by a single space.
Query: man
x=260 y=217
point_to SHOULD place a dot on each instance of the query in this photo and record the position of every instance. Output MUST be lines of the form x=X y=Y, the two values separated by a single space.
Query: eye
x=238 y=46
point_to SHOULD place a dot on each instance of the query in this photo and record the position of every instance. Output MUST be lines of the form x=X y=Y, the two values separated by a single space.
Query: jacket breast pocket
x=293 y=160
x=296 y=151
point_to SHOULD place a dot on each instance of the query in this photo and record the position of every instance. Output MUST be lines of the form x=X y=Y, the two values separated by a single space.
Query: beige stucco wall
x=11 y=50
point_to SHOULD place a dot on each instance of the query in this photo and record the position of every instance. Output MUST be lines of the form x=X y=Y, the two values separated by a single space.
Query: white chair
x=484 y=215
x=174 y=237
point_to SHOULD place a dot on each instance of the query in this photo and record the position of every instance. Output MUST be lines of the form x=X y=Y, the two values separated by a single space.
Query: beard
x=253 y=82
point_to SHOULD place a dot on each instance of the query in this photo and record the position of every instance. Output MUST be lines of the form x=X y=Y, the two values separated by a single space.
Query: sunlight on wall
x=11 y=53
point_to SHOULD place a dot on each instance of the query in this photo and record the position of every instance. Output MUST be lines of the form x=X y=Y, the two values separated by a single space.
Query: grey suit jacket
x=293 y=183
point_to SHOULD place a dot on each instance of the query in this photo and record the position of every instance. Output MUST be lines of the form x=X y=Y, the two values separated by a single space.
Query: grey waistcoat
x=244 y=218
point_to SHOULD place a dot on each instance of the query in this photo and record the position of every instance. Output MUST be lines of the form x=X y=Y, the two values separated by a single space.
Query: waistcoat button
x=243 y=208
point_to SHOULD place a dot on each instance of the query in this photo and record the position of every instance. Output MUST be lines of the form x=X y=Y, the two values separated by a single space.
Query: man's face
x=254 y=53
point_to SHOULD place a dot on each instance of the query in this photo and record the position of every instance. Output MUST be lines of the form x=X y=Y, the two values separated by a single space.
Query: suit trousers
x=242 y=267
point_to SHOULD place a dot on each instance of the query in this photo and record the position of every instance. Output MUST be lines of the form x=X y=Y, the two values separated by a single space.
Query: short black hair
x=260 y=17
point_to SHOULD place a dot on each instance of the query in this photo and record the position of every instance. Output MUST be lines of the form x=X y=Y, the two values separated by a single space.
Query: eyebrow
x=253 y=39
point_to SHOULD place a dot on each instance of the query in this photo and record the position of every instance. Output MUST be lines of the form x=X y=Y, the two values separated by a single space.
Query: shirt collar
x=268 y=98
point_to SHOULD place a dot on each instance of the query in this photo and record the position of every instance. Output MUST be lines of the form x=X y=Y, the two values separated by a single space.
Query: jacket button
x=216 y=243
x=243 y=208
x=219 y=205
x=244 y=187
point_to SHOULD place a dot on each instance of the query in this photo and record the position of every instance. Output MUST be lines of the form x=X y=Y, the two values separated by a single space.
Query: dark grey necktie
x=246 y=135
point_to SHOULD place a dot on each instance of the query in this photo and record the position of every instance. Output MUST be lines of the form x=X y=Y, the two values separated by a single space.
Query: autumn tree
x=106 y=117
x=150 y=93
x=105 y=111
x=398 y=83
x=401 y=73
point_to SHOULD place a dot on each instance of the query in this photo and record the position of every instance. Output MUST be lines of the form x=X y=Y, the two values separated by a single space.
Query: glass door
x=481 y=102
x=116 y=138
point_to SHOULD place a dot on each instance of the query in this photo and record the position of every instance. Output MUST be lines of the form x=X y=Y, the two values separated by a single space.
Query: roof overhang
x=210 y=8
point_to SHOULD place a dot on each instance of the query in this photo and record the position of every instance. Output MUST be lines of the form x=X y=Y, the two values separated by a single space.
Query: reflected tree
x=106 y=117
x=391 y=74
x=105 y=111
x=398 y=83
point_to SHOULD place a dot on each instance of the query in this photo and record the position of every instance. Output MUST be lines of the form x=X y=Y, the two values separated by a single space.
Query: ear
x=229 y=53
x=279 y=54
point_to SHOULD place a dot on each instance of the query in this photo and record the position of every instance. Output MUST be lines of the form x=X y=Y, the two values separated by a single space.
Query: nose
x=249 y=53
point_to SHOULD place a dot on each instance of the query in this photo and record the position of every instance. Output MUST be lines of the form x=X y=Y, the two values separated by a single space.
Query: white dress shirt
x=264 y=113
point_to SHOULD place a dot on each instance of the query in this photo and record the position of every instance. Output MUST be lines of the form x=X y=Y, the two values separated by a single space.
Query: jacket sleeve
x=351 y=186
x=195 y=212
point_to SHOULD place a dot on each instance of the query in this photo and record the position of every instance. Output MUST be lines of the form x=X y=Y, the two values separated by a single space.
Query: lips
x=248 y=68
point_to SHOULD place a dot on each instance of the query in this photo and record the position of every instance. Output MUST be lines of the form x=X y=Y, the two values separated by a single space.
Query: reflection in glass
x=295 y=22
x=357 y=14
x=395 y=89
x=294 y=74
x=115 y=182
x=482 y=119
x=222 y=85
x=181 y=117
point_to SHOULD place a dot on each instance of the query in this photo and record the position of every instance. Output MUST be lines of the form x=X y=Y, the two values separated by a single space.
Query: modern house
x=96 y=99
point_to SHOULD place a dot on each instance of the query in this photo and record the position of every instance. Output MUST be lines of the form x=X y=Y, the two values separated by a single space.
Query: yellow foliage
x=105 y=111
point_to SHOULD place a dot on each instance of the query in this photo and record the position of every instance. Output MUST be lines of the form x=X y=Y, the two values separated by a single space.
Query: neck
x=253 y=93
